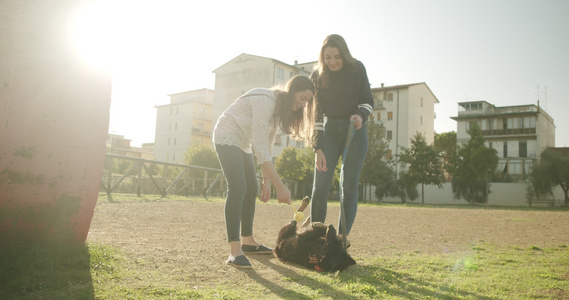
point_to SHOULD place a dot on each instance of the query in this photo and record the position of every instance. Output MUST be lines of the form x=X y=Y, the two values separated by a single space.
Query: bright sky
x=507 y=52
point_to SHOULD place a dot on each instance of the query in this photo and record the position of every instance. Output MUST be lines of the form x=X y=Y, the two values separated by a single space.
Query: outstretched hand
x=283 y=195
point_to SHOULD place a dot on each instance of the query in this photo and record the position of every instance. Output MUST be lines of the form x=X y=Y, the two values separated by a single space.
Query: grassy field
x=484 y=271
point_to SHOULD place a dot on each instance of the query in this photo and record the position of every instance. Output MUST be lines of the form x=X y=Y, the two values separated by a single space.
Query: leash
x=351 y=132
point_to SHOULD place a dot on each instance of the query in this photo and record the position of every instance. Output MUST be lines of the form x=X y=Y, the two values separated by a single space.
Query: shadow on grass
x=400 y=284
x=320 y=289
x=34 y=272
x=361 y=280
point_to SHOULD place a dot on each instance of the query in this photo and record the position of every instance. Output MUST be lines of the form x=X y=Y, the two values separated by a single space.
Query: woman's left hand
x=358 y=122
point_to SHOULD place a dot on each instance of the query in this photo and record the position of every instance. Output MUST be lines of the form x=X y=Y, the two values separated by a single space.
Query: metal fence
x=132 y=175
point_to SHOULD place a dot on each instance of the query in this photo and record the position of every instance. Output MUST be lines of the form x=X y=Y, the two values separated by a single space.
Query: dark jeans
x=239 y=171
x=333 y=144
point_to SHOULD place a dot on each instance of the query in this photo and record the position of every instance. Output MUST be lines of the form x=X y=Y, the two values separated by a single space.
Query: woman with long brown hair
x=343 y=95
x=248 y=128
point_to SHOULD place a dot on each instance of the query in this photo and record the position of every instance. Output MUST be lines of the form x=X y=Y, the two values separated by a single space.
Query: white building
x=246 y=72
x=186 y=121
x=519 y=133
x=405 y=110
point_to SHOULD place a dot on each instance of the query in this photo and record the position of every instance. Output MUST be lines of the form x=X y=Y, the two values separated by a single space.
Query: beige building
x=117 y=144
x=186 y=121
x=246 y=72
x=519 y=133
x=405 y=110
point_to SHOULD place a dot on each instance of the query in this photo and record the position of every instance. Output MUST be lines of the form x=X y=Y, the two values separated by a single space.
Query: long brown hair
x=338 y=42
x=299 y=124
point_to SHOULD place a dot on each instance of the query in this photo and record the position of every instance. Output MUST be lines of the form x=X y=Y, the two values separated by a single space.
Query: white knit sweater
x=248 y=124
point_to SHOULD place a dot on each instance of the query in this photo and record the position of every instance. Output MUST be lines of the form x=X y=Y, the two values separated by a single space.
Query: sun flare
x=94 y=34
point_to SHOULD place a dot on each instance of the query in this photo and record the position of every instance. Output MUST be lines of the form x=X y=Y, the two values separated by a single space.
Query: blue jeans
x=333 y=144
x=242 y=187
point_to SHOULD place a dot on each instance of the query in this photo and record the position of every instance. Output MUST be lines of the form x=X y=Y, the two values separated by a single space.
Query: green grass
x=485 y=272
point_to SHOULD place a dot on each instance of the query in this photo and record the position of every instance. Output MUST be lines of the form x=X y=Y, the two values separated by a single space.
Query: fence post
x=187 y=183
x=139 y=178
x=204 y=181
x=110 y=179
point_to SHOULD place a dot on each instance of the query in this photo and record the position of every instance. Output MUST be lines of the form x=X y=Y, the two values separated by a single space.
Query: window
x=531 y=122
x=174 y=141
x=177 y=110
x=388 y=156
x=528 y=166
x=523 y=149
x=421 y=120
x=515 y=167
x=377 y=99
x=378 y=116
x=505 y=123
x=505 y=149
x=421 y=101
x=176 y=126
x=490 y=145
x=389 y=115
x=280 y=73
x=390 y=97
x=389 y=135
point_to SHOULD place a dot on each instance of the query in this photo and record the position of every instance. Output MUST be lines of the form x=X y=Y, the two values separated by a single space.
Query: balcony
x=198 y=131
x=200 y=116
x=516 y=131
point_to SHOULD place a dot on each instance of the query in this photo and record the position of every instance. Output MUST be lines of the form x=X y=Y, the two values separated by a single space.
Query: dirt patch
x=185 y=241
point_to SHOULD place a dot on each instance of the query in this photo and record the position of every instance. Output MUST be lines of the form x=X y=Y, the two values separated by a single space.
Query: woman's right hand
x=266 y=190
x=321 y=161
x=283 y=195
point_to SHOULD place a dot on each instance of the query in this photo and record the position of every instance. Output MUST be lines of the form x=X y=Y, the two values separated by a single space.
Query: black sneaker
x=256 y=249
x=240 y=261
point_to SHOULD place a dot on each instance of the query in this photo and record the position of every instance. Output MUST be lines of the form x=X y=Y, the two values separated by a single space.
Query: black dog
x=316 y=246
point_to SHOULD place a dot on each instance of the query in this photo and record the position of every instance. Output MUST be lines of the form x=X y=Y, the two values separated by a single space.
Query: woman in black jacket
x=342 y=95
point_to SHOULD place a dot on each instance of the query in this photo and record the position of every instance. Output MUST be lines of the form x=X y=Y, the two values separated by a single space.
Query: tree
x=375 y=164
x=445 y=143
x=289 y=164
x=484 y=161
x=381 y=174
x=202 y=156
x=424 y=166
x=297 y=164
x=469 y=168
x=551 y=170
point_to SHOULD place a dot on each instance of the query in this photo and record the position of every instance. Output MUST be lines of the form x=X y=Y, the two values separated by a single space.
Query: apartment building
x=187 y=120
x=403 y=111
x=246 y=72
x=519 y=133
x=117 y=144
